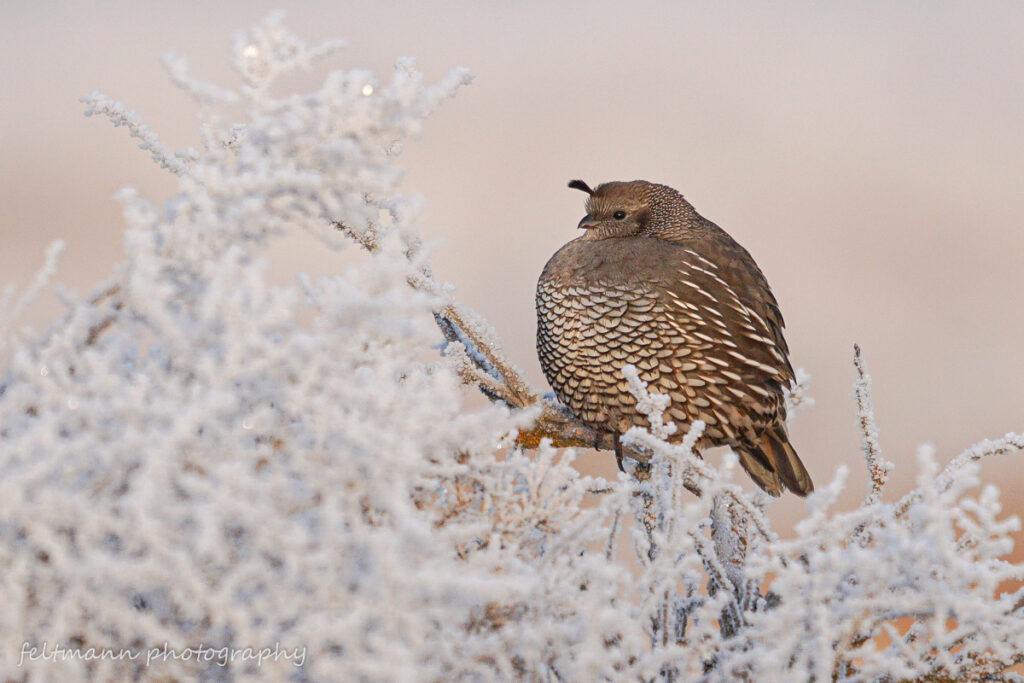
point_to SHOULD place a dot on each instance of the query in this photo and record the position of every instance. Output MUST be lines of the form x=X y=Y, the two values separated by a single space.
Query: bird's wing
x=719 y=276
x=735 y=364
x=739 y=269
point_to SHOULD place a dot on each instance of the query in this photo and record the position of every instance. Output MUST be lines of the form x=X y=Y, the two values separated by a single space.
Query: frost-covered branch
x=1011 y=443
x=878 y=467
x=119 y=115
x=11 y=309
x=474 y=350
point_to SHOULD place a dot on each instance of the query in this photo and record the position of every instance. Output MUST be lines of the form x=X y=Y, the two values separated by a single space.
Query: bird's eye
x=619 y=215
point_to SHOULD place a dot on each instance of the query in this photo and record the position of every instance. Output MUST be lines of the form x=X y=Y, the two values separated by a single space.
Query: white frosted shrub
x=194 y=457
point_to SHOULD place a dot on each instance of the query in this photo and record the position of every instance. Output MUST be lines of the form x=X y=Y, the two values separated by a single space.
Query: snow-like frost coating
x=194 y=457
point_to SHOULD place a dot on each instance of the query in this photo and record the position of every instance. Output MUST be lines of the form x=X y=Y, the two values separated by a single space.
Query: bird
x=652 y=283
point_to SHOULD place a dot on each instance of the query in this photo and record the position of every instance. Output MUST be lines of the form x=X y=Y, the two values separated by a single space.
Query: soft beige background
x=870 y=156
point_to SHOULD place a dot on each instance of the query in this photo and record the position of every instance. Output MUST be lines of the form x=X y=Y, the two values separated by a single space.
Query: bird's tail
x=772 y=463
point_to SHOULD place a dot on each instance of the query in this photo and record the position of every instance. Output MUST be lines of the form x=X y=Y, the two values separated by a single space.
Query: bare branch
x=112 y=293
x=564 y=430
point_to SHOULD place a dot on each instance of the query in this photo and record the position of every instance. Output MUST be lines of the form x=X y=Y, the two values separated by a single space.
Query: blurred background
x=869 y=155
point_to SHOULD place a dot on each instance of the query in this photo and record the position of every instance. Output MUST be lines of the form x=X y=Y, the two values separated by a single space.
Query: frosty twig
x=878 y=467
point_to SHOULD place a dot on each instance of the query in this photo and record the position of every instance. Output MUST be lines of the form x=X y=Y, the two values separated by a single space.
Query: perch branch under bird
x=470 y=342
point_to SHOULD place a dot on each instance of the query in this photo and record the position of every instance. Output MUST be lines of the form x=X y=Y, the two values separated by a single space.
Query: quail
x=654 y=284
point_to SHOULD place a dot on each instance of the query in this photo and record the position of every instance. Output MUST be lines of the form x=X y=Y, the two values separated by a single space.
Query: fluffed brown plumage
x=654 y=284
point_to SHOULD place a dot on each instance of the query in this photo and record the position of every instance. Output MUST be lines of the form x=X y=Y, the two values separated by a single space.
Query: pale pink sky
x=870 y=156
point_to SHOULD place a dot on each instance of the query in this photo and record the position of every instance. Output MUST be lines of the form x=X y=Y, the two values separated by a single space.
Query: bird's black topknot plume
x=580 y=185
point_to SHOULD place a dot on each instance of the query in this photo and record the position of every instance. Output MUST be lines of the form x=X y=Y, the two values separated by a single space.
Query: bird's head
x=636 y=208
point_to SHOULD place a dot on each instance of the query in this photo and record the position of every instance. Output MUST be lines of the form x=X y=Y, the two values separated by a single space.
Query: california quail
x=654 y=284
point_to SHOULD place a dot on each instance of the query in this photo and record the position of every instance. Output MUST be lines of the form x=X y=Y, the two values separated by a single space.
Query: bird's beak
x=587 y=222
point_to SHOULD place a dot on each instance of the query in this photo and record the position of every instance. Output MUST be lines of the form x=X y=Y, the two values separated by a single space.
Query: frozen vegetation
x=192 y=456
